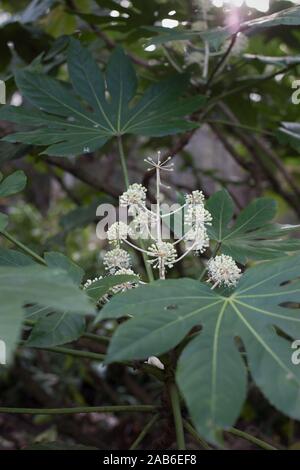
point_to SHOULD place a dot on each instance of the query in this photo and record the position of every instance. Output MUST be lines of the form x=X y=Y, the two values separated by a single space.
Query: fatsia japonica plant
x=203 y=339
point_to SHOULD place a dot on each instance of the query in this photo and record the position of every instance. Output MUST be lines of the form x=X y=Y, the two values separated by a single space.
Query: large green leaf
x=35 y=284
x=13 y=184
x=55 y=259
x=69 y=128
x=14 y=258
x=252 y=236
x=56 y=329
x=211 y=374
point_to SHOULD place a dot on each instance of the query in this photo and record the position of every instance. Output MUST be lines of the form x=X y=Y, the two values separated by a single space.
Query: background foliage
x=228 y=120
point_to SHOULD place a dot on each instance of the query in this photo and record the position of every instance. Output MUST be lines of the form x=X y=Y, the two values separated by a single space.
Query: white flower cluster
x=196 y=218
x=134 y=197
x=116 y=259
x=118 y=232
x=223 y=270
x=162 y=253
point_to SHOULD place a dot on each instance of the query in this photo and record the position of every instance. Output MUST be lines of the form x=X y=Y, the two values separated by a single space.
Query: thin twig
x=144 y=431
x=250 y=438
x=195 y=435
x=221 y=61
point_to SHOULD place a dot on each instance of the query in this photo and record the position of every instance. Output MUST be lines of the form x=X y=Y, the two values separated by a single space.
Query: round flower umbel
x=118 y=232
x=135 y=196
x=116 y=259
x=196 y=197
x=223 y=270
x=163 y=253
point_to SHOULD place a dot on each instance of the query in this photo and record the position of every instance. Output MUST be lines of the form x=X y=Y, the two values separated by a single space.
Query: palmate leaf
x=35 y=284
x=68 y=127
x=252 y=236
x=217 y=36
x=211 y=373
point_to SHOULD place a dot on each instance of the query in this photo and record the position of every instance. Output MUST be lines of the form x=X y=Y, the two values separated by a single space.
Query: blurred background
x=239 y=145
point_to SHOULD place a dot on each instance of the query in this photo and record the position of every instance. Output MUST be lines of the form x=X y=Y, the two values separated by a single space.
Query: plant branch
x=221 y=61
x=195 y=435
x=250 y=438
x=80 y=409
x=144 y=432
x=70 y=352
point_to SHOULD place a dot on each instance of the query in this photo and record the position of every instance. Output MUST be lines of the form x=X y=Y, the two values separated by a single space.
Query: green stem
x=123 y=161
x=24 y=248
x=71 y=352
x=80 y=409
x=195 y=435
x=248 y=437
x=239 y=126
x=144 y=431
x=175 y=402
x=98 y=338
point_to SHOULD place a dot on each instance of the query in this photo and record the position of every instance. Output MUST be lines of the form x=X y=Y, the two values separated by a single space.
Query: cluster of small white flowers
x=162 y=252
x=223 y=270
x=135 y=196
x=196 y=218
x=197 y=215
x=116 y=259
x=196 y=197
x=118 y=232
